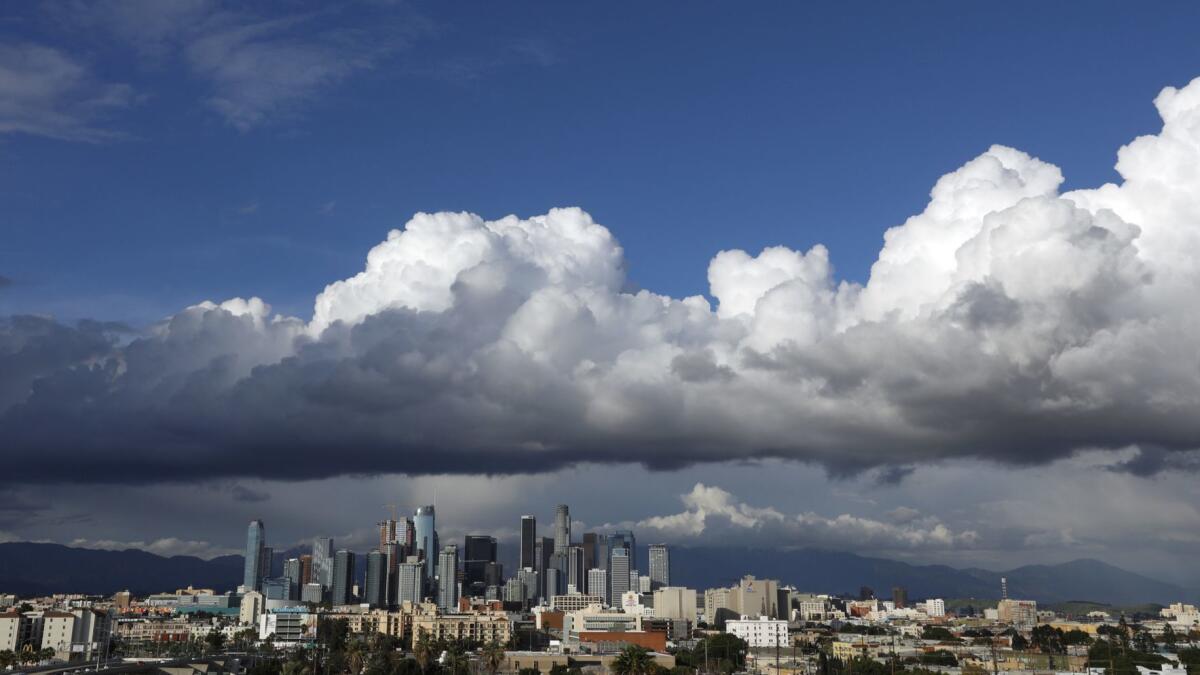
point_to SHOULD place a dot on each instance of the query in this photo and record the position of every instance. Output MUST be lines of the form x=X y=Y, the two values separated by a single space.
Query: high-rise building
x=391 y=564
x=293 y=572
x=479 y=551
x=543 y=549
x=589 y=550
x=554 y=580
x=597 y=583
x=448 y=582
x=410 y=581
x=426 y=539
x=322 y=562
x=528 y=537
x=266 y=564
x=375 y=584
x=623 y=539
x=900 y=597
x=387 y=532
x=660 y=566
x=306 y=575
x=406 y=534
x=530 y=584
x=343 y=577
x=618 y=573
x=562 y=528
x=256 y=538
x=312 y=592
x=576 y=571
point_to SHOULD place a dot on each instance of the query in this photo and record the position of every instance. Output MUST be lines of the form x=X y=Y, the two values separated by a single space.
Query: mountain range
x=30 y=569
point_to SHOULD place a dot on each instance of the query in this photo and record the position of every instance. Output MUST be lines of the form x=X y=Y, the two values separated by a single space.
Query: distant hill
x=35 y=569
x=837 y=572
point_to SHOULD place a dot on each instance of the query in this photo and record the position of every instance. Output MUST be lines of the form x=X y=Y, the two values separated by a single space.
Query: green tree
x=214 y=640
x=8 y=659
x=633 y=660
x=422 y=650
x=1169 y=639
x=938 y=633
x=492 y=656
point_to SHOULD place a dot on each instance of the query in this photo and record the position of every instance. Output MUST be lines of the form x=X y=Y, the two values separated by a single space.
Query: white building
x=58 y=630
x=935 y=607
x=10 y=631
x=760 y=632
x=1181 y=615
x=287 y=626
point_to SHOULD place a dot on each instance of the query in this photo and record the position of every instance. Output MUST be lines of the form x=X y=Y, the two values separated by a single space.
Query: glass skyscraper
x=256 y=537
x=426 y=532
x=322 y=562
x=660 y=566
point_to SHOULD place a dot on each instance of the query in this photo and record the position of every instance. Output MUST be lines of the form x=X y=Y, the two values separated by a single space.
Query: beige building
x=750 y=597
x=490 y=626
x=675 y=602
x=252 y=606
x=1019 y=613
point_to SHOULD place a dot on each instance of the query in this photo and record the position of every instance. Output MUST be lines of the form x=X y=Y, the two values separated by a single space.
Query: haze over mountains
x=29 y=569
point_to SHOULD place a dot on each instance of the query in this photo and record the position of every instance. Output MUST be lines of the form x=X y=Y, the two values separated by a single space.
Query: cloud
x=1007 y=322
x=45 y=92
x=169 y=546
x=5 y=282
x=713 y=514
x=257 y=69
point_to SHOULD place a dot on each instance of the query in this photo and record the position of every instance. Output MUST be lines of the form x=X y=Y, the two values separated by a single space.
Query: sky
x=910 y=280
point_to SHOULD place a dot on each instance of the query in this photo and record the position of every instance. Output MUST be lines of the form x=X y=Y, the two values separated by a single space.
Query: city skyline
x=818 y=285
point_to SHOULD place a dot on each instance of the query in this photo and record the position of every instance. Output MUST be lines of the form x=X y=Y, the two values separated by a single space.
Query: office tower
x=562 y=528
x=602 y=550
x=643 y=584
x=598 y=583
x=266 y=563
x=478 y=552
x=426 y=539
x=660 y=566
x=576 y=571
x=322 y=562
x=530 y=584
x=554 y=584
x=306 y=575
x=448 y=581
x=276 y=588
x=528 y=537
x=634 y=580
x=493 y=574
x=900 y=597
x=543 y=549
x=375 y=586
x=391 y=557
x=406 y=535
x=256 y=537
x=343 y=577
x=589 y=550
x=312 y=592
x=387 y=532
x=622 y=539
x=618 y=573
x=410 y=582
x=293 y=573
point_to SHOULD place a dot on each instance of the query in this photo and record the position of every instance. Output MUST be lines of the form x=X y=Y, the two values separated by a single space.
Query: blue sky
x=157 y=154
x=685 y=129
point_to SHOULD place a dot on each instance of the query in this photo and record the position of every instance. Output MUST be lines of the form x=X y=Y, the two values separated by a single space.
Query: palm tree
x=45 y=654
x=422 y=650
x=457 y=662
x=493 y=656
x=355 y=657
x=7 y=659
x=633 y=660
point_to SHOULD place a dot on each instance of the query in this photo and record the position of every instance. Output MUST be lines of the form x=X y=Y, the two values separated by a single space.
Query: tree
x=938 y=633
x=1169 y=639
x=492 y=655
x=633 y=660
x=214 y=640
x=355 y=658
x=1019 y=643
x=7 y=659
x=422 y=650
x=333 y=633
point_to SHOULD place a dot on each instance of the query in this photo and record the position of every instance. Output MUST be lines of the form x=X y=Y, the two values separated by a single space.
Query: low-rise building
x=759 y=632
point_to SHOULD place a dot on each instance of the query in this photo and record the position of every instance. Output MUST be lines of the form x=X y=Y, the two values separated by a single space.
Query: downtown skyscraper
x=528 y=542
x=322 y=562
x=425 y=524
x=343 y=577
x=660 y=566
x=256 y=540
x=562 y=528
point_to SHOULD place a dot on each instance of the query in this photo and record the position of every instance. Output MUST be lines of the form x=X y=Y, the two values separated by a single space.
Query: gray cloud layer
x=1007 y=321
